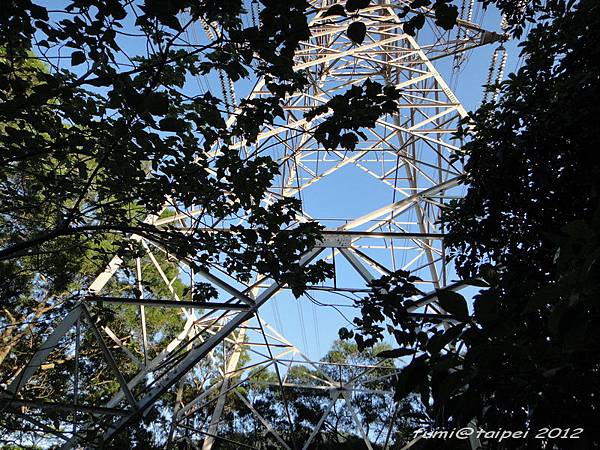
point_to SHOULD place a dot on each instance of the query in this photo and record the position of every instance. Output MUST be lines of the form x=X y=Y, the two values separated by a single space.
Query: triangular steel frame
x=407 y=152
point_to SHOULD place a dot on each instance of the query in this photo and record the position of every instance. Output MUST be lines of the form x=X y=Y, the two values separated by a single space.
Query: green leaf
x=445 y=15
x=357 y=32
x=453 y=303
x=484 y=306
x=77 y=57
x=171 y=124
x=488 y=273
x=348 y=141
x=411 y=377
x=344 y=333
x=446 y=384
x=141 y=20
x=171 y=22
x=546 y=295
x=477 y=282
x=395 y=353
x=419 y=3
x=413 y=24
x=556 y=317
x=578 y=229
x=335 y=10
x=439 y=341
x=117 y=10
x=158 y=104
x=355 y=5
x=38 y=12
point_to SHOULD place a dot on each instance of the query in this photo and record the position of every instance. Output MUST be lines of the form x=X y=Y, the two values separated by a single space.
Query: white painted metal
x=406 y=154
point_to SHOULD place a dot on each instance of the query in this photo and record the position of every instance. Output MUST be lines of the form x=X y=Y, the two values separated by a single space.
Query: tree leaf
x=344 y=333
x=355 y=5
x=38 y=12
x=439 y=341
x=447 y=383
x=484 y=306
x=157 y=103
x=395 y=353
x=171 y=124
x=357 y=32
x=413 y=24
x=445 y=15
x=419 y=3
x=411 y=377
x=477 y=282
x=171 y=22
x=348 y=141
x=335 y=10
x=77 y=57
x=453 y=302
x=544 y=296
x=117 y=10
x=488 y=273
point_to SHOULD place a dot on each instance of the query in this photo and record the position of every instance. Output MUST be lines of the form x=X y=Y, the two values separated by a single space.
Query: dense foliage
x=525 y=354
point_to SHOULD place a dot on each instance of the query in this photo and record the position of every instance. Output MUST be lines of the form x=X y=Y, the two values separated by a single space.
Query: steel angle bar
x=220 y=438
x=197 y=353
x=122 y=346
x=361 y=430
x=357 y=265
x=232 y=363
x=267 y=425
x=225 y=286
x=109 y=358
x=42 y=425
x=321 y=421
x=327 y=388
x=44 y=350
x=196 y=404
x=54 y=406
x=163 y=303
x=400 y=205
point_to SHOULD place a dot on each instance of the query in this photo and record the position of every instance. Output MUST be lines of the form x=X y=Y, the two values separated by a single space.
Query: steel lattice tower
x=406 y=156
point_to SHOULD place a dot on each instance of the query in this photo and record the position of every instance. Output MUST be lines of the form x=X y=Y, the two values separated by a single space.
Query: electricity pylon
x=407 y=177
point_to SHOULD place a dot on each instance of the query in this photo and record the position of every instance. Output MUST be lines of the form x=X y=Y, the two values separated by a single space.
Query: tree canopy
x=524 y=354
